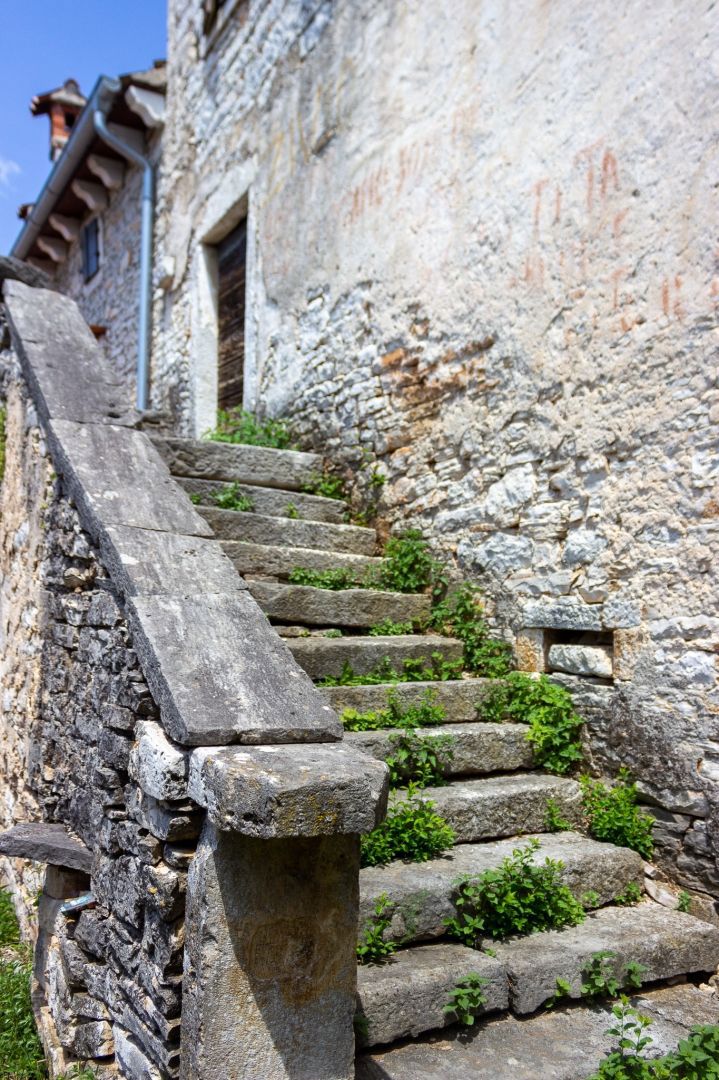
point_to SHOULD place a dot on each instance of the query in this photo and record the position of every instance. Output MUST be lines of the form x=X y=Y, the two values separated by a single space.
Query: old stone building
x=471 y=242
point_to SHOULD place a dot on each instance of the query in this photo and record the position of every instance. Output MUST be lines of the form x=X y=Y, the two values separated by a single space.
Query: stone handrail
x=244 y=733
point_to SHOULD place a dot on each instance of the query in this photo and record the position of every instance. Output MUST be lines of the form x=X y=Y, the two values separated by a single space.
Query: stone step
x=478 y=748
x=308 y=606
x=288 y=532
x=257 y=465
x=504 y=805
x=562 y=1044
x=665 y=942
x=405 y=996
x=273 y=560
x=458 y=697
x=272 y=501
x=421 y=894
x=326 y=656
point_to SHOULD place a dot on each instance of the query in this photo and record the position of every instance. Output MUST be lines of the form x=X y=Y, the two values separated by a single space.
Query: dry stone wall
x=479 y=249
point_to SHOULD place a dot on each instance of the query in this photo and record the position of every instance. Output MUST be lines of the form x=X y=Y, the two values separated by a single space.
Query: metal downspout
x=147 y=222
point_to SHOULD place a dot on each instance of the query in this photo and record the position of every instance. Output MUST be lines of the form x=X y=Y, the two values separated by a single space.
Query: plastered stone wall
x=109 y=975
x=480 y=247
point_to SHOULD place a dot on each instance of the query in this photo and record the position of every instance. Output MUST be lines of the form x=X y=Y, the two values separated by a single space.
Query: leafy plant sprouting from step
x=414 y=670
x=629 y=896
x=591 y=899
x=553 y=819
x=231 y=498
x=460 y=615
x=239 y=426
x=684 y=901
x=335 y=579
x=554 y=726
x=328 y=484
x=466 y=1000
x=388 y=628
x=408 y=566
x=519 y=897
x=291 y=511
x=372 y=947
x=412 y=830
x=613 y=815
x=425 y=713
x=695 y=1058
x=603 y=977
x=422 y=760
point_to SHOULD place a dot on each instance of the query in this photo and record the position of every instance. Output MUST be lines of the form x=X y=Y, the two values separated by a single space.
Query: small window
x=210 y=11
x=90 y=239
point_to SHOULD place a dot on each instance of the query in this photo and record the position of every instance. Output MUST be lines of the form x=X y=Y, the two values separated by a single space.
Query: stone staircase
x=493 y=796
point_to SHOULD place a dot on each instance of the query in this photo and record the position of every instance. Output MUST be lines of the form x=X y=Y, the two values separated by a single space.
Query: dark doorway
x=232 y=265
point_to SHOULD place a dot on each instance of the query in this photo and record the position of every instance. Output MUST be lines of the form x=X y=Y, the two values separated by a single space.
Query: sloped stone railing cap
x=51 y=844
x=274 y=792
x=217 y=669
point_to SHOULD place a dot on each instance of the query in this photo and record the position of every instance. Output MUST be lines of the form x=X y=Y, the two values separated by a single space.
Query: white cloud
x=8 y=169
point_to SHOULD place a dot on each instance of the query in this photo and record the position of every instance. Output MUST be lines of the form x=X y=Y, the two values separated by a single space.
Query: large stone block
x=302 y=790
x=158 y=766
x=270 y=965
x=245 y=464
x=68 y=375
x=46 y=843
x=220 y=674
x=116 y=477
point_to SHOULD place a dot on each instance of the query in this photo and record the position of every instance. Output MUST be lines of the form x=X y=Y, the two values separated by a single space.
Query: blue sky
x=44 y=42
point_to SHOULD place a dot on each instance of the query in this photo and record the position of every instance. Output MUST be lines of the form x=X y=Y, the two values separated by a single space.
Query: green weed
x=554 y=726
x=613 y=814
x=460 y=615
x=629 y=896
x=327 y=484
x=519 y=897
x=239 y=426
x=372 y=947
x=412 y=830
x=553 y=820
x=466 y=1000
x=436 y=670
x=387 y=628
x=424 y=714
x=231 y=498
x=418 y=759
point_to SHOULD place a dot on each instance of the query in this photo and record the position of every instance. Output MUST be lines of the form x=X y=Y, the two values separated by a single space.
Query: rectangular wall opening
x=231 y=302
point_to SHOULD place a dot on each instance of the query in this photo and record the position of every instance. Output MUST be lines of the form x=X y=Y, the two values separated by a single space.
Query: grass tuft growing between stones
x=227 y=498
x=413 y=670
x=21 y=1054
x=239 y=426
x=425 y=714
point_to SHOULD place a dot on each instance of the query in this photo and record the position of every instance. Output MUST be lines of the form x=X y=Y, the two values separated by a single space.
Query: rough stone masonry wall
x=73 y=693
x=479 y=247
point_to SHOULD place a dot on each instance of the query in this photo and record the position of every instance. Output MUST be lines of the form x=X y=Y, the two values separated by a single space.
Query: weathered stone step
x=563 y=1044
x=261 y=465
x=289 y=532
x=326 y=656
x=421 y=893
x=272 y=501
x=458 y=697
x=504 y=805
x=478 y=748
x=666 y=942
x=273 y=560
x=305 y=605
x=406 y=995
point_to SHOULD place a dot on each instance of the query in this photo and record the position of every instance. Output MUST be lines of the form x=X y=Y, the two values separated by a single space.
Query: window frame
x=93 y=225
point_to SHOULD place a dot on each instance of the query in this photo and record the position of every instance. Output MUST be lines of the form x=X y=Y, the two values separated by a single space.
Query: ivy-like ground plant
x=460 y=615
x=422 y=760
x=412 y=830
x=554 y=726
x=519 y=897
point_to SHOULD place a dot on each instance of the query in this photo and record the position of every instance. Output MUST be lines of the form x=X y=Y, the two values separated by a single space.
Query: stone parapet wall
x=142 y=656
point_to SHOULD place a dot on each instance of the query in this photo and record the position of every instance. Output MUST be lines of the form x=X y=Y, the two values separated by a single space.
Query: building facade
x=474 y=241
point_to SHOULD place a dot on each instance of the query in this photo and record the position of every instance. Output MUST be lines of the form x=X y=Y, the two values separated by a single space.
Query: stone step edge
x=195 y=485
x=667 y=943
x=420 y=895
